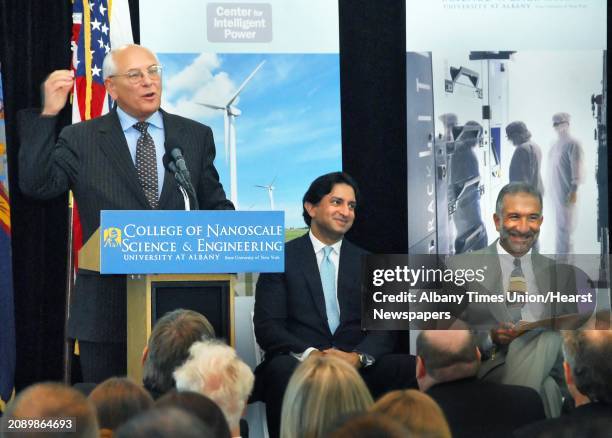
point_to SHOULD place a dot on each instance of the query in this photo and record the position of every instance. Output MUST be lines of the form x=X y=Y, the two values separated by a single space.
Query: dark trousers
x=390 y=372
x=101 y=360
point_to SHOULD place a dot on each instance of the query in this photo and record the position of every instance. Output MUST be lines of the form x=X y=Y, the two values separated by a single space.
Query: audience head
x=215 y=370
x=588 y=365
x=48 y=400
x=200 y=406
x=168 y=347
x=164 y=423
x=320 y=390
x=319 y=199
x=369 y=425
x=417 y=412
x=444 y=356
x=117 y=400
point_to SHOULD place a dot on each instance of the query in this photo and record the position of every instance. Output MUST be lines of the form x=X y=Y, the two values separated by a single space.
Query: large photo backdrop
x=280 y=65
x=493 y=63
x=266 y=78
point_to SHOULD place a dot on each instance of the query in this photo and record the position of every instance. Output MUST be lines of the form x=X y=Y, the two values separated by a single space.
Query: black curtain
x=373 y=101
x=34 y=41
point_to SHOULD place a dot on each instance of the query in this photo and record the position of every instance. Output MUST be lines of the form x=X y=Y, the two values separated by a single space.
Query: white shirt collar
x=502 y=251
x=318 y=245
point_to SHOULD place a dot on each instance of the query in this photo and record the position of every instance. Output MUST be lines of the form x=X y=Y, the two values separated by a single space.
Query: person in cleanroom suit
x=527 y=157
x=566 y=161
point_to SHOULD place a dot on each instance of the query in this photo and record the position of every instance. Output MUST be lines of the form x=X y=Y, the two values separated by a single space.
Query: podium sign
x=184 y=242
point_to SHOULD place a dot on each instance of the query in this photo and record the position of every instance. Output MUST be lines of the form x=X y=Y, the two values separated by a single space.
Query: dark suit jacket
x=593 y=420
x=290 y=307
x=92 y=159
x=475 y=408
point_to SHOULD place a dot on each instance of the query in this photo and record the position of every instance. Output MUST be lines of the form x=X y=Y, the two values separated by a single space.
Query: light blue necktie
x=328 y=281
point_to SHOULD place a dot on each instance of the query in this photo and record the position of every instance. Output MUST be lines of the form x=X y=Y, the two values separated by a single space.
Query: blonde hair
x=321 y=390
x=416 y=411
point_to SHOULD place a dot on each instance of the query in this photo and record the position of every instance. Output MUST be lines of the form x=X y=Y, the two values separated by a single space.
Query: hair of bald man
x=53 y=400
x=109 y=66
x=589 y=355
x=446 y=364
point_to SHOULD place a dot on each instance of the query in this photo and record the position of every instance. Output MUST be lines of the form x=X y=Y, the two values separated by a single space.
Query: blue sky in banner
x=289 y=130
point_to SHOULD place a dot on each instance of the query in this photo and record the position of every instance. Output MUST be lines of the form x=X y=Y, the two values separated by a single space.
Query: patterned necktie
x=517 y=289
x=328 y=281
x=146 y=163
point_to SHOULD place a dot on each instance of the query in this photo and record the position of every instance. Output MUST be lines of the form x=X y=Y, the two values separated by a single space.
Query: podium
x=150 y=296
x=179 y=259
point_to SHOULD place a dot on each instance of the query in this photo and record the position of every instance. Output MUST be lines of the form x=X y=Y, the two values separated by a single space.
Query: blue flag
x=7 y=314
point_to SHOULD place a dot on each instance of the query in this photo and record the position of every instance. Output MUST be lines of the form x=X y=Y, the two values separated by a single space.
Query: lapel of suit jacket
x=544 y=277
x=310 y=269
x=346 y=271
x=171 y=130
x=114 y=146
x=494 y=284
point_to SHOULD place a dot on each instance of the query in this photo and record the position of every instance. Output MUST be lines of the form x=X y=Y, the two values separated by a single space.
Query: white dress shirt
x=531 y=311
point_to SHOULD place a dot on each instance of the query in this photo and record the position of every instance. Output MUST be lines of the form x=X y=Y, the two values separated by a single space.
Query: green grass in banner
x=293 y=233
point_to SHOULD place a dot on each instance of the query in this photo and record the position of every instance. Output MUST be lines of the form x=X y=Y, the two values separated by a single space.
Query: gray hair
x=589 y=355
x=109 y=67
x=215 y=370
x=514 y=188
x=169 y=343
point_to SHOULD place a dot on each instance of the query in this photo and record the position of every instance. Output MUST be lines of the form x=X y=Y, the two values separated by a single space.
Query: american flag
x=97 y=25
x=90 y=44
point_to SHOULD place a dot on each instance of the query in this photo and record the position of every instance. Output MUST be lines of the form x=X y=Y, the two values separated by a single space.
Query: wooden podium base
x=150 y=296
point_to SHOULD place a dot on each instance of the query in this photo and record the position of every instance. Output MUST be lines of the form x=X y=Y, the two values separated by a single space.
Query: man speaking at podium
x=113 y=162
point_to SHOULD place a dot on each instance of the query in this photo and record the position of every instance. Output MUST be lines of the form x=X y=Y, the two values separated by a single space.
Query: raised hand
x=56 y=88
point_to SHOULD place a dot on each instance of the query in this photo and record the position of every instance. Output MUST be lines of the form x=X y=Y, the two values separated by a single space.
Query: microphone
x=177 y=155
x=167 y=160
x=174 y=162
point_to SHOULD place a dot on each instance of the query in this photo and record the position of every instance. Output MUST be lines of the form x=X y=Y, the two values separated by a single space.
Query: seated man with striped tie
x=514 y=270
x=314 y=307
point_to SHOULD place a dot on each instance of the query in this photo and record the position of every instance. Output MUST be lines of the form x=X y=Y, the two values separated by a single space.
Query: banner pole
x=68 y=344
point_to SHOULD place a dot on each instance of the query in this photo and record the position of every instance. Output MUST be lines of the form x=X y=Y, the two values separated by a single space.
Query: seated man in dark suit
x=314 y=307
x=447 y=365
x=588 y=374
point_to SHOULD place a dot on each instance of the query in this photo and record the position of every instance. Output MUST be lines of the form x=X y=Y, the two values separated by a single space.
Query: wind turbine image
x=230 y=112
x=270 y=188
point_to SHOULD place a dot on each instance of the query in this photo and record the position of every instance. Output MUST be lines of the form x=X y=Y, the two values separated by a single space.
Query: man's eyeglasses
x=136 y=76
